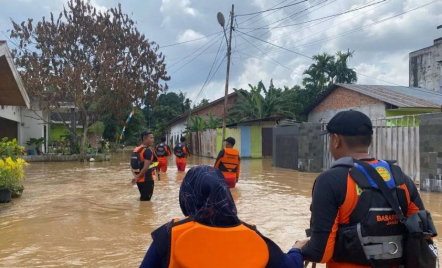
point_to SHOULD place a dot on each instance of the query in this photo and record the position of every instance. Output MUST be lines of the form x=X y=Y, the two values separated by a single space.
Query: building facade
x=177 y=126
x=425 y=67
x=376 y=101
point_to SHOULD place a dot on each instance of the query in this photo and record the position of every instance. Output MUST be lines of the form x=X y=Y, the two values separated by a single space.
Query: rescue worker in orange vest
x=141 y=161
x=162 y=151
x=228 y=162
x=352 y=223
x=181 y=152
x=212 y=235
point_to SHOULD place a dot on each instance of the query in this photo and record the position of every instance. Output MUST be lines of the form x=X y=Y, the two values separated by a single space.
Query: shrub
x=11 y=173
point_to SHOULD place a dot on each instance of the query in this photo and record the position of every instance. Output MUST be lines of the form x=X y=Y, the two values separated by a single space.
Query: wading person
x=212 y=235
x=228 y=162
x=181 y=152
x=141 y=160
x=162 y=151
x=359 y=206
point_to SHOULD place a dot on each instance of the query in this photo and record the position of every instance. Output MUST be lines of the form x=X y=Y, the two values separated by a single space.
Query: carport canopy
x=12 y=91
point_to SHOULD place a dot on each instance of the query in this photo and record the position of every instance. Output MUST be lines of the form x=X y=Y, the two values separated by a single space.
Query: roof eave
x=4 y=50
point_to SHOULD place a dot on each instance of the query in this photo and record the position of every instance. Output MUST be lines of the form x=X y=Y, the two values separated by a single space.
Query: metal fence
x=394 y=138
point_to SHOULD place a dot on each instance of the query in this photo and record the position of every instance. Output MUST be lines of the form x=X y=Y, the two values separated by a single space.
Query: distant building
x=177 y=126
x=425 y=67
x=376 y=101
x=20 y=118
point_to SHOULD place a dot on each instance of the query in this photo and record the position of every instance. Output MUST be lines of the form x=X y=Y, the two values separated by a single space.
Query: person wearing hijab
x=212 y=235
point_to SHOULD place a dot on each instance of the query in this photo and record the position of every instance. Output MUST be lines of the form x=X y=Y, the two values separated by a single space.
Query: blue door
x=245 y=141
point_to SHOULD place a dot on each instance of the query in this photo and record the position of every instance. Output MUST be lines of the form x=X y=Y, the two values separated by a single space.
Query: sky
x=381 y=45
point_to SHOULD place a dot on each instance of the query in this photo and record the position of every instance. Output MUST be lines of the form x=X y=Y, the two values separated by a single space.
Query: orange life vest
x=199 y=246
x=137 y=161
x=229 y=163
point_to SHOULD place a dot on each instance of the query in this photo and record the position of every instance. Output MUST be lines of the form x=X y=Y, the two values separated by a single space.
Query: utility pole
x=229 y=49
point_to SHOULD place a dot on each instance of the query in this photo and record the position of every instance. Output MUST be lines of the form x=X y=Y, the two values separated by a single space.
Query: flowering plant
x=11 y=173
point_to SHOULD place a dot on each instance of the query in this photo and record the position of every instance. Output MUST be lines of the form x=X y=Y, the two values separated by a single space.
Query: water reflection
x=88 y=215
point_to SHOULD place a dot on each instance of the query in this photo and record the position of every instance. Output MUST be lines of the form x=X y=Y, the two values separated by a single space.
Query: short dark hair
x=358 y=141
x=163 y=139
x=144 y=134
x=183 y=139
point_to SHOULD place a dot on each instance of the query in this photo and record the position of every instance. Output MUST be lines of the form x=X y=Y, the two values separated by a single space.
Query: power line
x=257 y=38
x=326 y=17
x=292 y=15
x=365 y=26
x=265 y=53
x=210 y=79
x=264 y=16
x=198 y=49
x=271 y=9
x=311 y=57
x=211 y=68
x=188 y=41
x=191 y=60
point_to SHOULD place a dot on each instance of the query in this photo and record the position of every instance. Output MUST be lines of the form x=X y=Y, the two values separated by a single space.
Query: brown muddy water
x=88 y=214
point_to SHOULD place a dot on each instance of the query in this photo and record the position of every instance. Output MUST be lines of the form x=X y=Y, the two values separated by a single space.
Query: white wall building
x=425 y=67
x=19 y=118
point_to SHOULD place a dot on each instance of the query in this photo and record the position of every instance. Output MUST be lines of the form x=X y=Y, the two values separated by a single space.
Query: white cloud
x=176 y=8
x=190 y=34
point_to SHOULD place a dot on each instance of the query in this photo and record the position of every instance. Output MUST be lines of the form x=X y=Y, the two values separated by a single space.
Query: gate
x=394 y=138
x=267 y=142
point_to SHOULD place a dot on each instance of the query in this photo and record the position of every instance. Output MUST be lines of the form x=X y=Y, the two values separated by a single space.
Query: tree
x=185 y=102
x=260 y=103
x=202 y=103
x=96 y=61
x=324 y=72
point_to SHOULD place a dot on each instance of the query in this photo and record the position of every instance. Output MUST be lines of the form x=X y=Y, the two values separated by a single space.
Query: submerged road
x=88 y=215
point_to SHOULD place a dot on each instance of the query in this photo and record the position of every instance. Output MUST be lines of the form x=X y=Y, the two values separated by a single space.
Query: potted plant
x=11 y=170
x=36 y=143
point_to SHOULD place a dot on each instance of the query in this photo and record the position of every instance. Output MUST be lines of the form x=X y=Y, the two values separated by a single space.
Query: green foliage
x=213 y=122
x=97 y=127
x=261 y=103
x=202 y=103
x=11 y=173
x=10 y=149
x=326 y=71
x=196 y=124
x=36 y=143
x=136 y=125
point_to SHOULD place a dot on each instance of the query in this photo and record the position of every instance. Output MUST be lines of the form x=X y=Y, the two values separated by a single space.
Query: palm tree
x=259 y=103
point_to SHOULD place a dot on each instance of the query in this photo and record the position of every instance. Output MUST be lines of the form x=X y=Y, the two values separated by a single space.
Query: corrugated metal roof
x=399 y=96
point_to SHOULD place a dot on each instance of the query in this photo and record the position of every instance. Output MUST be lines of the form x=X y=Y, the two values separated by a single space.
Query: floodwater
x=88 y=214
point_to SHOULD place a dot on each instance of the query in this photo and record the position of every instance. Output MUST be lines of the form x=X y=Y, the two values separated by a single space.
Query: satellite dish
x=221 y=19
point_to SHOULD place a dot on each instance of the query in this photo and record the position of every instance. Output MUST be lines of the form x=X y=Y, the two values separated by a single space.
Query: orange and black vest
x=369 y=231
x=162 y=150
x=137 y=160
x=199 y=246
x=180 y=151
x=229 y=163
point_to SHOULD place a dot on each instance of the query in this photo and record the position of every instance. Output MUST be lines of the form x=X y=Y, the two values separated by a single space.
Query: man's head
x=163 y=139
x=183 y=139
x=350 y=132
x=147 y=138
x=230 y=142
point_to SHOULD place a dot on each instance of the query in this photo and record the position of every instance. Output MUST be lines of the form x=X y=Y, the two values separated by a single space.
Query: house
x=425 y=67
x=20 y=117
x=177 y=126
x=376 y=101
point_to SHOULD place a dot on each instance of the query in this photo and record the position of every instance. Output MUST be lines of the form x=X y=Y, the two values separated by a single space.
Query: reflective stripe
x=381 y=209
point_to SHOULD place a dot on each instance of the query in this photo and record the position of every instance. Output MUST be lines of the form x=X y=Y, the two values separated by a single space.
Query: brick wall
x=430 y=149
x=344 y=99
x=216 y=109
